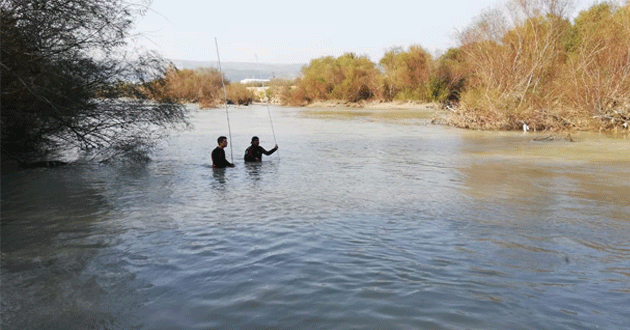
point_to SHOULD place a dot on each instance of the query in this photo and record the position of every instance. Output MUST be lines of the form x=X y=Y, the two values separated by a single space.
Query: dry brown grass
x=238 y=93
x=524 y=64
x=546 y=72
x=202 y=86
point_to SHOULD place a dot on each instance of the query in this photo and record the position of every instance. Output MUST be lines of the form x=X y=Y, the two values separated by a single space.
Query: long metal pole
x=225 y=100
x=267 y=103
x=271 y=121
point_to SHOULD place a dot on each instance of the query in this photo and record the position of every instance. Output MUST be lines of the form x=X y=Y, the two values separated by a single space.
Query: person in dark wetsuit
x=254 y=152
x=218 y=154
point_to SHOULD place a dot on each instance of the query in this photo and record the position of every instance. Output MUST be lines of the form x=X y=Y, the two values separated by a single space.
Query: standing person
x=254 y=152
x=218 y=154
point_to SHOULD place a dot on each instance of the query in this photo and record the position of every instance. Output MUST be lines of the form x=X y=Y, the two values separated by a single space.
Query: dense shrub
x=407 y=74
x=545 y=72
x=201 y=86
x=525 y=63
x=238 y=93
x=451 y=72
x=282 y=91
x=349 y=77
x=596 y=79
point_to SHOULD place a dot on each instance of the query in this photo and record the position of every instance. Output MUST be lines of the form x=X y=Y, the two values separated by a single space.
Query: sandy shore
x=396 y=110
x=377 y=105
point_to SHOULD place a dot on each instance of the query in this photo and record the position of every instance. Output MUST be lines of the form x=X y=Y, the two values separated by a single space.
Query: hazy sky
x=278 y=31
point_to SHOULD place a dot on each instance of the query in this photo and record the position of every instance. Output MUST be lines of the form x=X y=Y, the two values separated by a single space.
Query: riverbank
x=460 y=118
x=376 y=105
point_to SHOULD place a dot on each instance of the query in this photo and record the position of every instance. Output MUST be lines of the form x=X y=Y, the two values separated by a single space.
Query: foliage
x=407 y=74
x=544 y=71
x=62 y=70
x=597 y=76
x=525 y=63
x=238 y=93
x=451 y=72
x=283 y=91
x=317 y=80
x=349 y=77
x=203 y=86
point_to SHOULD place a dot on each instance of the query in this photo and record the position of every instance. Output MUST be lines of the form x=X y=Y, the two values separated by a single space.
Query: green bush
x=349 y=77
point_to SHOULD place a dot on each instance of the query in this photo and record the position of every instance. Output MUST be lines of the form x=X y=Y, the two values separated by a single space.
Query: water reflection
x=219 y=175
x=253 y=169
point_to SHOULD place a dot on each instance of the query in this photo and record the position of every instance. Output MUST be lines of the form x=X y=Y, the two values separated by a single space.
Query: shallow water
x=362 y=221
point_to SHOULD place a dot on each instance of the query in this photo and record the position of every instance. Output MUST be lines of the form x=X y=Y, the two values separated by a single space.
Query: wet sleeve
x=267 y=152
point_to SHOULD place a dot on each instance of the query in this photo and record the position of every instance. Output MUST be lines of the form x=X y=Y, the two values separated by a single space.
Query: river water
x=361 y=221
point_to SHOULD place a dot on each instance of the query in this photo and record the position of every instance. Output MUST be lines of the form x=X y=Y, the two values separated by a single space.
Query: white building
x=254 y=81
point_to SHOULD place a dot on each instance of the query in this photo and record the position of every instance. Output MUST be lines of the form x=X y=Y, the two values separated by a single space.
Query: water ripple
x=360 y=225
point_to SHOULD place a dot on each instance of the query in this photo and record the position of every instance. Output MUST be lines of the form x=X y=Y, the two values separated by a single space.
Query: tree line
x=526 y=63
x=68 y=82
x=203 y=86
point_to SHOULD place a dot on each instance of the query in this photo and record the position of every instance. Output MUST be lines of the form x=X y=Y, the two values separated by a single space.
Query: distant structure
x=254 y=81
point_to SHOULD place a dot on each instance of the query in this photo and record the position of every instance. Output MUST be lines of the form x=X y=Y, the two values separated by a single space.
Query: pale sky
x=286 y=32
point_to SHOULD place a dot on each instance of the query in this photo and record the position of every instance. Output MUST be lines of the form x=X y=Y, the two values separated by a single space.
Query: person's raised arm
x=270 y=151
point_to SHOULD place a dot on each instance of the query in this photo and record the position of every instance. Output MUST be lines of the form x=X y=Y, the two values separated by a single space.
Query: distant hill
x=237 y=71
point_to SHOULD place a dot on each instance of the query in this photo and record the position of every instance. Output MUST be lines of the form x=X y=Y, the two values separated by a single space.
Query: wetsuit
x=254 y=153
x=218 y=158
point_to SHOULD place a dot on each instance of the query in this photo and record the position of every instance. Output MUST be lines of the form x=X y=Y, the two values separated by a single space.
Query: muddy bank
x=377 y=105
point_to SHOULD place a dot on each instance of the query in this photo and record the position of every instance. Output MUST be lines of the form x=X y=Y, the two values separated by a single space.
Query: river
x=362 y=220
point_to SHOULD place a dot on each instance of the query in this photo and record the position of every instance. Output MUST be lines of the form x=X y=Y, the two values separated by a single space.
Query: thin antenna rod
x=267 y=103
x=225 y=100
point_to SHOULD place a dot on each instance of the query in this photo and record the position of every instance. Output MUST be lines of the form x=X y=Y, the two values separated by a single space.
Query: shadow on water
x=219 y=175
x=253 y=169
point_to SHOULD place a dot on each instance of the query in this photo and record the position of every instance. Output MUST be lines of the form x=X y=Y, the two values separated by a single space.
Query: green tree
x=64 y=71
x=407 y=73
x=318 y=79
x=349 y=77
x=356 y=78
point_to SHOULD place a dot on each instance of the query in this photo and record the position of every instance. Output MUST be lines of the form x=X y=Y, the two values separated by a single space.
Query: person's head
x=255 y=141
x=222 y=141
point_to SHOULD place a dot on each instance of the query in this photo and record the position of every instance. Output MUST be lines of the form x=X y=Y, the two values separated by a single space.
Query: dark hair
x=221 y=139
x=254 y=138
